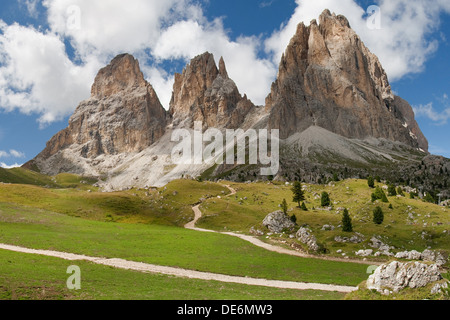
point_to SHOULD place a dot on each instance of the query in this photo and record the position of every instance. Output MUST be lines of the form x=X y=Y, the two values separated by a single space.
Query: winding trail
x=255 y=241
x=191 y=274
x=150 y=268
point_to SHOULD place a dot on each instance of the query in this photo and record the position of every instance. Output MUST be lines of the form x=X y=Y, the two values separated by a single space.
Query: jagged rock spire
x=205 y=93
x=223 y=69
x=122 y=73
x=328 y=78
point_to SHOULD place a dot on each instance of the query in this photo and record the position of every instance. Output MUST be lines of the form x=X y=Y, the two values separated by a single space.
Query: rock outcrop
x=305 y=236
x=357 y=238
x=383 y=248
x=427 y=255
x=397 y=276
x=205 y=93
x=328 y=78
x=364 y=253
x=278 y=222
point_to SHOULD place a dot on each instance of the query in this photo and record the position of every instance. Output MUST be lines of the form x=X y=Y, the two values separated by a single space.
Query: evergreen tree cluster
x=379 y=195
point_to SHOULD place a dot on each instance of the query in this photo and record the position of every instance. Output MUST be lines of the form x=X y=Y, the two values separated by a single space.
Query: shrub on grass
x=347 y=225
x=429 y=198
x=371 y=182
x=284 y=206
x=325 y=200
x=294 y=219
x=379 y=195
x=378 y=215
x=391 y=191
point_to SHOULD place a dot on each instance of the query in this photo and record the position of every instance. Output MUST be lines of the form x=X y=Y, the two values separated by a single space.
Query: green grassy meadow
x=429 y=228
x=166 y=245
x=28 y=277
x=67 y=213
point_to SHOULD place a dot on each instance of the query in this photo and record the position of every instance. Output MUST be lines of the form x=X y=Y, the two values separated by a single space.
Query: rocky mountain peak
x=123 y=115
x=121 y=74
x=329 y=78
x=204 y=92
x=223 y=69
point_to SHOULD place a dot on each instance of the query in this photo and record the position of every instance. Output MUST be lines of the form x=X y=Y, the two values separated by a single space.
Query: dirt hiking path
x=150 y=268
x=255 y=241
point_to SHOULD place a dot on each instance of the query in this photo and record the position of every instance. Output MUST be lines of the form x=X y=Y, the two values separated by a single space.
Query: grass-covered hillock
x=170 y=205
x=409 y=224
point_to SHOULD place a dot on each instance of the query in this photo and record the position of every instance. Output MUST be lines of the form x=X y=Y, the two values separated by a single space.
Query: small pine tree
x=378 y=215
x=371 y=182
x=299 y=194
x=379 y=195
x=347 y=222
x=400 y=192
x=391 y=191
x=304 y=208
x=374 y=197
x=325 y=200
x=429 y=198
x=390 y=206
x=294 y=218
x=284 y=206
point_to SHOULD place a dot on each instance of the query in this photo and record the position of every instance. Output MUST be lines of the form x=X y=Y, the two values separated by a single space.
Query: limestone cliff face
x=123 y=114
x=205 y=93
x=328 y=78
x=403 y=110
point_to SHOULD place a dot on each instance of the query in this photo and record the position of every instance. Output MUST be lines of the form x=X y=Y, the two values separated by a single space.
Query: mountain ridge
x=327 y=78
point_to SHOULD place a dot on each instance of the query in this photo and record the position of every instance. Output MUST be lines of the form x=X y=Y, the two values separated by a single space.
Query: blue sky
x=51 y=50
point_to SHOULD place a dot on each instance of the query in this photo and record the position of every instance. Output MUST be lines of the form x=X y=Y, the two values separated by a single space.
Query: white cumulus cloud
x=6 y=166
x=187 y=39
x=12 y=153
x=428 y=111
x=36 y=76
x=16 y=154
x=31 y=6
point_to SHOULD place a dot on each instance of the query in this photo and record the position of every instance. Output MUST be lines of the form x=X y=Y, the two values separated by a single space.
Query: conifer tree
x=347 y=225
x=325 y=200
x=371 y=182
x=391 y=191
x=299 y=194
x=378 y=215
x=284 y=206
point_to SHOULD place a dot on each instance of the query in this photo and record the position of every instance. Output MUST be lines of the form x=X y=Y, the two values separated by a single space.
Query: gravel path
x=264 y=245
x=149 y=268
